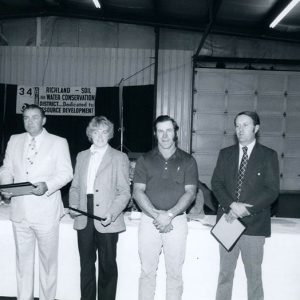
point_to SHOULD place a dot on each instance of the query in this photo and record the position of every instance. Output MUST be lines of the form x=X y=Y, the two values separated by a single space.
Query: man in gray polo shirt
x=165 y=184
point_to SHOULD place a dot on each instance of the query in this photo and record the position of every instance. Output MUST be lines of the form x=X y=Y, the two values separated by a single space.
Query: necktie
x=32 y=151
x=241 y=173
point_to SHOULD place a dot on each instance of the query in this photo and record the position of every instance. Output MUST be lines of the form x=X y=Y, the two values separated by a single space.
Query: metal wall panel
x=174 y=90
x=66 y=66
x=221 y=94
x=71 y=66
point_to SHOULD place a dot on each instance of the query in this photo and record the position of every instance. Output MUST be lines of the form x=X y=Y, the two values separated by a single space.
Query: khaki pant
x=151 y=243
x=252 y=250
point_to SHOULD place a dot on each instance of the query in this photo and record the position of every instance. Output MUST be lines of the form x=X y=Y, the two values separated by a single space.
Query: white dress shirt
x=30 y=154
x=95 y=161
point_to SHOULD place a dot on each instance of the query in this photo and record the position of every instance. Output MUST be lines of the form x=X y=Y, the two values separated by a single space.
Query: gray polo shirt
x=166 y=179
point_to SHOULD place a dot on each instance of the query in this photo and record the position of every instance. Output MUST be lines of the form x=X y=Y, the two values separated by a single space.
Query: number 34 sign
x=72 y=101
x=26 y=95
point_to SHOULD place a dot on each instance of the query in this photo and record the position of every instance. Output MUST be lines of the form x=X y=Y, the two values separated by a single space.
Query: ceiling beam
x=248 y=60
x=171 y=23
x=213 y=11
x=254 y=32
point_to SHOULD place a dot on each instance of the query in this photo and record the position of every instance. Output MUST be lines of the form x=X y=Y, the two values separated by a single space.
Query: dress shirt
x=249 y=150
x=37 y=138
x=95 y=160
x=38 y=142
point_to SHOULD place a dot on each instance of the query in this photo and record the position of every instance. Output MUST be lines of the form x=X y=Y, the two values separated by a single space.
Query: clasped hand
x=162 y=222
x=239 y=209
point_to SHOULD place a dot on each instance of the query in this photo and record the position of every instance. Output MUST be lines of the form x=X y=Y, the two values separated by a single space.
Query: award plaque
x=228 y=233
x=18 y=189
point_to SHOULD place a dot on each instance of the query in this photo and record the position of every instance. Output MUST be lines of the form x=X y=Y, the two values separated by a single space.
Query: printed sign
x=72 y=101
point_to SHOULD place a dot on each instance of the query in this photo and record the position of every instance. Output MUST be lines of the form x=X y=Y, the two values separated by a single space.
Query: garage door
x=220 y=94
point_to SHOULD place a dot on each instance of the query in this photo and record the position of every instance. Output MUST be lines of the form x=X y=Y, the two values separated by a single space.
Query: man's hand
x=163 y=222
x=240 y=209
x=40 y=188
x=107 y=219
x=5 y=195
x=165 y=229
x=231 y=216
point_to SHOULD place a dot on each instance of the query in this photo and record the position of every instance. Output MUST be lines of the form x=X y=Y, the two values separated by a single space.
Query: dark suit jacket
x=260 y=187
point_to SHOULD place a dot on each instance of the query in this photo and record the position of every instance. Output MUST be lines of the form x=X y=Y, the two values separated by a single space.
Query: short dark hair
x=164 y=118
x=27 y=106
x=95 y=122
x=252 y=114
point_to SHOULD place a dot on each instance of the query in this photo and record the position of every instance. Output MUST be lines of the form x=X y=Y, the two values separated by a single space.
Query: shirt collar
x=37 y=138
x=95 y=150
x=174 y=155
x=250 y=147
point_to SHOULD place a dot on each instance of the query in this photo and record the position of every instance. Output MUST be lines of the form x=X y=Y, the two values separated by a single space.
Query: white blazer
x=52 y=165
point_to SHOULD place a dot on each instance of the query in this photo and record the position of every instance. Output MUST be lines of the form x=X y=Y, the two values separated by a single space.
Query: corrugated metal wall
x=174 y=90
x=66 y=66
x=70 y=66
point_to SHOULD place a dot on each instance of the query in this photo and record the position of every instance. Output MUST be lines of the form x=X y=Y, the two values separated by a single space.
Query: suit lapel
x=43 y=150
x=84 y=168
x=23 y=151
x=233 y=168
x=253 y=162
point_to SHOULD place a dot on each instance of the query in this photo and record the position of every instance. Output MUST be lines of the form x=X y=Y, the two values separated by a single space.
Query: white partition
x=281 y=266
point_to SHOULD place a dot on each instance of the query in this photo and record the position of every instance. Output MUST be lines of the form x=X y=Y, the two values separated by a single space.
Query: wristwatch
x=171 y=215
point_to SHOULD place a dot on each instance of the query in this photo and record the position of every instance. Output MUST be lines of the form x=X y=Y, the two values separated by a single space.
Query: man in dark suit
x=246 y=182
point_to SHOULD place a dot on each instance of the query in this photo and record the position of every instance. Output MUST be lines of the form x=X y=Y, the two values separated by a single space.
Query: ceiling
x=249 y=18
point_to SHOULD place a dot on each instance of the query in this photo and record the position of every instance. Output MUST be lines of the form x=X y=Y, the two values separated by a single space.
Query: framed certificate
x=226 y=233
x=18 y=189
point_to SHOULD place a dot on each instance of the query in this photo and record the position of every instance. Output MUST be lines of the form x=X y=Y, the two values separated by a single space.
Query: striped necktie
x=241 y=173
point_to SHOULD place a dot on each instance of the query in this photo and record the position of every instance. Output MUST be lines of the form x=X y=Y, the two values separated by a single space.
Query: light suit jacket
x=111 y=189
x=260 y=186
x=52 y=165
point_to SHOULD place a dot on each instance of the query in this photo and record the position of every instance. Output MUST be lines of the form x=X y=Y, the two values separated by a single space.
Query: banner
x=70 y=101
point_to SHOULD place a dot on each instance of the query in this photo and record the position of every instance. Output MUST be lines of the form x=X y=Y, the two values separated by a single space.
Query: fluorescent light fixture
x=98 y=5
x=287 y=9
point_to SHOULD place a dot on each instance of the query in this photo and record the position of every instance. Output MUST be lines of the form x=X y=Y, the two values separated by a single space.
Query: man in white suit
x=44 y=160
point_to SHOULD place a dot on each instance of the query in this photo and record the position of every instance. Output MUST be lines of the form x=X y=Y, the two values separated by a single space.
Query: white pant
x=46 y=235
x=151 y=243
